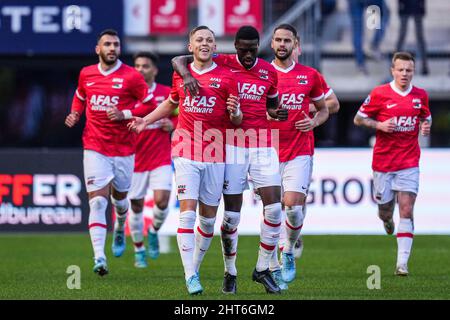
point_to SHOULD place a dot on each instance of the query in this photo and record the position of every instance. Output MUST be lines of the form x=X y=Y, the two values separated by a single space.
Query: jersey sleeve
x=139 y=89
x=143 y=109
x=327 y=91
x=316 y=92
x=273 y=90
x=370 y=107
x=79 y=98
x=174 y=96
x=425 y=113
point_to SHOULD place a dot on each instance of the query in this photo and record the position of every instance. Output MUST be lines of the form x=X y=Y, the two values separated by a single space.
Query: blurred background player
x=250 y=154
x=109 y=147
x=397 y=111
x=298 y=85
x=199 y=163
x=152 y=167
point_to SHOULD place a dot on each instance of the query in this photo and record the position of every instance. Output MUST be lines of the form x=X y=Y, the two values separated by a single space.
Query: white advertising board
x=340 y=199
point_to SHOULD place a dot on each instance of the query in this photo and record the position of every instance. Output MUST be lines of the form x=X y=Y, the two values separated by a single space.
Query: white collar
x=152 y=88
x=398 y=91
x=200 y=72
x=284 y=70
x=107 y=73
x=256 y=62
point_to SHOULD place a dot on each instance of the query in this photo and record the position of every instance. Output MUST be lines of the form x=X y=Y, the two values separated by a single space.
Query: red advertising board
x=169 y=16
x=242 y=12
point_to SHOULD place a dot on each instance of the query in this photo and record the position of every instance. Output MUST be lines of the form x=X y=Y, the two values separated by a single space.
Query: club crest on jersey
x=303 y=79
x=181 y=189
x=215 y=85
x=417 y=103
x=117 y=86
x=263 y=74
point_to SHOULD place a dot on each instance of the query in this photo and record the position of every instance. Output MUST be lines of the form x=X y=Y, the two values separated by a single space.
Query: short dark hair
x=109 y=32
x=247 y=33
x=147 y=54
x=402 y=55
x=191 y=33
x=287 y=26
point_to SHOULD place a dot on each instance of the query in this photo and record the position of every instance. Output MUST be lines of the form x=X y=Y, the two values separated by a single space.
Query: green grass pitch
x=33 y=266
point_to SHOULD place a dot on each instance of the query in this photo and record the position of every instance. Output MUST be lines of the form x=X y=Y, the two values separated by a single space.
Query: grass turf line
x=34 y=266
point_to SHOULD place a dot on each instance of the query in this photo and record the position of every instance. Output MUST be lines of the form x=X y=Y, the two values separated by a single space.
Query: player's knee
x=288 y=203
x=162 y=204
x=137 y=206
x=231 y=220
x=272 y=213
x=161 y=198
x=97 y=212
x=406 y=210
x=386 y=210
x=207 y=223
x=270 y=197
x=98 y=204
x=231 y=205
x=187 y=219
x=294 y=215
x=121 y=206
x=385 y=214
x=296 y=199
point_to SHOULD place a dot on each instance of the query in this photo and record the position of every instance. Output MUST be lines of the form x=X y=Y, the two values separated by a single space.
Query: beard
x=248 y=63
x=108 y=61
x=284 y=57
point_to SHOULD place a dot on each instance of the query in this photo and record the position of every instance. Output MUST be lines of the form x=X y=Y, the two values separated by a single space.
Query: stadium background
x=43 y=47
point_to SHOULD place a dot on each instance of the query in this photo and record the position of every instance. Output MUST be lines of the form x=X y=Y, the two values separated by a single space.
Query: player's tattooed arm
x=365 y=122
x=274 y=111
x=180 y=65
x=387 y=126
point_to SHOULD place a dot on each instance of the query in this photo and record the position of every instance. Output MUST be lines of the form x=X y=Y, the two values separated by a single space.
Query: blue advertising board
x=56 y=26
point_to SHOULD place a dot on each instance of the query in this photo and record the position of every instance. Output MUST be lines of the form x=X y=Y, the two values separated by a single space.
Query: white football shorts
x=201 y=181
x=386 y=183
x=261 y=164
x=100 y=170
x=156 y=179
x=296 y=174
